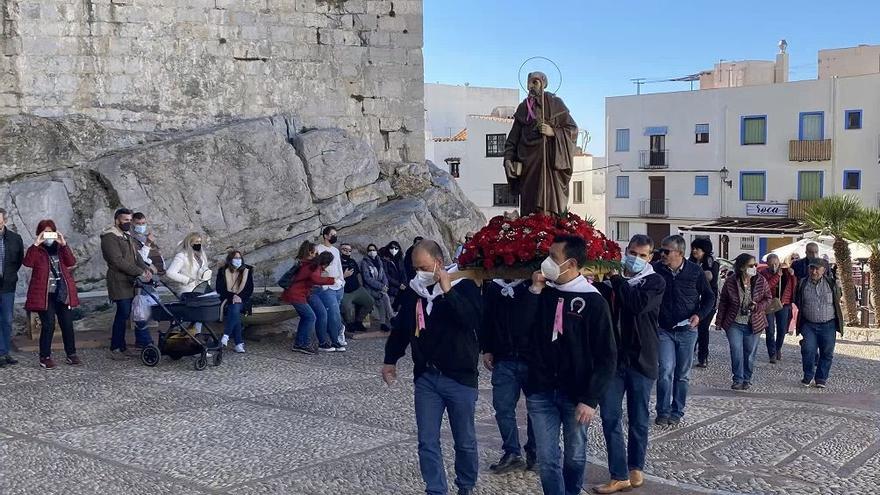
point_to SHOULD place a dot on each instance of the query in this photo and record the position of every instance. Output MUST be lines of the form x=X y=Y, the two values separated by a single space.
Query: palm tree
x=830 y=216
x=865 y=228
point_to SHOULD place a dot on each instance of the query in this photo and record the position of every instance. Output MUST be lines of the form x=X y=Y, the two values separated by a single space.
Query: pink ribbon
x=420 y=318
x=557 y=321
x=530 y=105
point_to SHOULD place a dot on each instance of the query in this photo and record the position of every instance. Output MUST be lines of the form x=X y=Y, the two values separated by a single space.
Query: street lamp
x=724 y=173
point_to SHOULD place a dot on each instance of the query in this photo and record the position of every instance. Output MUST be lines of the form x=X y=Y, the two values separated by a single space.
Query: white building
x=586 y=194
x=740 y=164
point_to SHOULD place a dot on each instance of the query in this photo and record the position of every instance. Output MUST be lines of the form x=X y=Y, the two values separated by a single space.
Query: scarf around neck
x=433 y=291
x=648 y=270
x=507 y=290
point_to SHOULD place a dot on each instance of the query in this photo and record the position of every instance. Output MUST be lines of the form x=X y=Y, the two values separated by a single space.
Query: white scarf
x=647 y=270
x=435 y=291
x=507 y=289
x=579 y=284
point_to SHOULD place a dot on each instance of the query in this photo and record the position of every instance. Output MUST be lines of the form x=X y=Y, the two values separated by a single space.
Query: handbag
x=776 y=303
x=61 y=286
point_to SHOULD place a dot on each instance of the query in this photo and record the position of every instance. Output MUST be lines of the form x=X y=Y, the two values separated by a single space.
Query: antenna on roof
x=638 y=82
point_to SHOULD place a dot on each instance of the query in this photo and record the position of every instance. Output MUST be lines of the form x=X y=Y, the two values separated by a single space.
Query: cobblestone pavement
x=275 y=422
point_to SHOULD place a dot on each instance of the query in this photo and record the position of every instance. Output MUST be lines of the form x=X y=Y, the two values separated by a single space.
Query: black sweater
x=506 y=327
x=636 y=309
x=246 y=292
x=583 y=359
x=449 y=341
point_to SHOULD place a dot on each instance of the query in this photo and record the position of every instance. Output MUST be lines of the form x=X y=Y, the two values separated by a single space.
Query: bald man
x=439 y=318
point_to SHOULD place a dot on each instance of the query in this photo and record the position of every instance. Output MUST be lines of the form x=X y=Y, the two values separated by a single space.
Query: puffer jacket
x=729 y=303
x=186 y=273
x=37 y=259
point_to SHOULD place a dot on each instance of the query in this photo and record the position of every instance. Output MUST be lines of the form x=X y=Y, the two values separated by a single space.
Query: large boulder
x=251 y=184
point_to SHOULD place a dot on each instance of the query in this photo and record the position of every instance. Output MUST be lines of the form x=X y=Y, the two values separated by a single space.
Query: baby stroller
x=202 y=305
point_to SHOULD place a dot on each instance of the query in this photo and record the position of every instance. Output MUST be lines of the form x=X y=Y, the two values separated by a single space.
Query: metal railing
x=653 y=159
x=654 y=208
x=809 y=151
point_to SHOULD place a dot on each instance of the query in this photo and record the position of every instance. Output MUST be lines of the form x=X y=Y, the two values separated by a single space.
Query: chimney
x=781 y=69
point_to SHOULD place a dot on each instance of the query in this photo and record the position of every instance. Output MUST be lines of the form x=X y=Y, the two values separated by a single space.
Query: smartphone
x=50 y=235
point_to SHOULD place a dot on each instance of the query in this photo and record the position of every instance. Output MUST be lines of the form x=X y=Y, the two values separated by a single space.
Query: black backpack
x=287 y=279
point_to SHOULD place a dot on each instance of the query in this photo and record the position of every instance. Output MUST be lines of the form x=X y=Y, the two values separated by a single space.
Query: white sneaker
x=224 y=341
x=342 y=336
x=239 y=348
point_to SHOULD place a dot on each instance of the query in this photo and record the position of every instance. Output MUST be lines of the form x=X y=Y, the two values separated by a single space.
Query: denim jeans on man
x=548 y=411
x=7 y=304
x=743 y=345
x=623 y=459
x=120 y=321
x=508 y=379
x=232 y=323
x=819 y=338
x=676 y=358
x=777 y=327
x=435 y=393
x=330 y=299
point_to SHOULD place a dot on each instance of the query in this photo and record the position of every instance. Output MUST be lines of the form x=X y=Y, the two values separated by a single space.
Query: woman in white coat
x=190 y=265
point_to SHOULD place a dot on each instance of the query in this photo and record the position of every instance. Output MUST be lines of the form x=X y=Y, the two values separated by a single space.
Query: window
x=623 y=186
x=853 y=119
x=622 y=140
x=852 y=179
x=754 y=130
x=578 y=193
x=810 y=185
x=701 y=185
x=752 y=186
x=503 y=197
x=811 y=126
x=702 y=133
x=453 y=167
x=747 y=243
x=622 y=231
x=495 y=144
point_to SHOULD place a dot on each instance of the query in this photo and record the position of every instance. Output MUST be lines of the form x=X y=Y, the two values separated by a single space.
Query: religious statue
x=539 y=151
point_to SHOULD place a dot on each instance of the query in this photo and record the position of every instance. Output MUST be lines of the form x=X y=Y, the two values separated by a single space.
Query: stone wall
x=163 y=65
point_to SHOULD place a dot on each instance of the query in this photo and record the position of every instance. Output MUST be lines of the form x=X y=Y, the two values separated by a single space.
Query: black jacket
x=246 y=292
x=583 y=359
x=408 y=268
x=635 y=309
x=12 y=260
x=506 y=329
x=710 y=264
x=687 y=294
x=352 y=283
x=449 y=342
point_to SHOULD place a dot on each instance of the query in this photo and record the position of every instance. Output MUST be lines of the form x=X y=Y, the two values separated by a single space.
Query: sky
x=600 y=45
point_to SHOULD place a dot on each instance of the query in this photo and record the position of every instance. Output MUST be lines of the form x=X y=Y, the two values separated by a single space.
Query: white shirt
x=335 y=268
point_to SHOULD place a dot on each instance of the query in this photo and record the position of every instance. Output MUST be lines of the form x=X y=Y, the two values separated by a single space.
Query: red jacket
x=773 y=280
x=308 y=276
x=729 y=302
x=37 y=258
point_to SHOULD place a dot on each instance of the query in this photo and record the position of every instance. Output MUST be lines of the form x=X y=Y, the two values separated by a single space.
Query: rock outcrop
x=258 y=185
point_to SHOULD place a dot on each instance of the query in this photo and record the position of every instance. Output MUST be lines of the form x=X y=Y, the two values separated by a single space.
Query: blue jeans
x=819 y=338
x=637 y=387
x=435 y=393
x=330 y=299
x=7 y=305
x=676 y=358
x=232 y=323
x=743 y=348
x=508 y=379
x=777 y=327
x=548 y=411
x=306 y=325
x=123 y=313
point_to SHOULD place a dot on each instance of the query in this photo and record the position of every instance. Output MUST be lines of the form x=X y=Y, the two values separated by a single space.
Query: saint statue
x=539 y=151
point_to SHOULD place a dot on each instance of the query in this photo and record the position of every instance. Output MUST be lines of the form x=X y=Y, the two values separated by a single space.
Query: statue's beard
x=536 y=92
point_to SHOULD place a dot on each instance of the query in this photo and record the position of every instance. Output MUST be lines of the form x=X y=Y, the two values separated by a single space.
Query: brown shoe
x=636 y=479
x=73 y=360
x=778 y=357
x=47 y=363
x=613 y=486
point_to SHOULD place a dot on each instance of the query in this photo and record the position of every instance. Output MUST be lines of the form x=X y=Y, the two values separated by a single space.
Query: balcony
x=653 y=160
x=809 y=151
x=654 y=208
x=797 y=208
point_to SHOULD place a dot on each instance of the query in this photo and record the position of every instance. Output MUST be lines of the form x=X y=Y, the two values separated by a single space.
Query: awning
x=655 y=131
x=748 y=226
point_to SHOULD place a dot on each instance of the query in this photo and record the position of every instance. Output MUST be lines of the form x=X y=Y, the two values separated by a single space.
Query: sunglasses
x=664 y=251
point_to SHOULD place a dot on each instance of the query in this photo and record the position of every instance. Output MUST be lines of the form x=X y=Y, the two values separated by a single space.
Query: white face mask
x=550 y=269
x=425 y=278
x=751 y=271
x=394 y=251
x=372 y=254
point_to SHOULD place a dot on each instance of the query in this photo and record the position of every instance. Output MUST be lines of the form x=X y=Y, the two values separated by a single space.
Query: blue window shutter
x=623 y=186
x=622 y=140
x=701 y=185
x=655 y=131
x=702 y=129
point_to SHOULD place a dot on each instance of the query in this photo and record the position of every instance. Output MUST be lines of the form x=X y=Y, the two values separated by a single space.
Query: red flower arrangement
x=526 y=241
